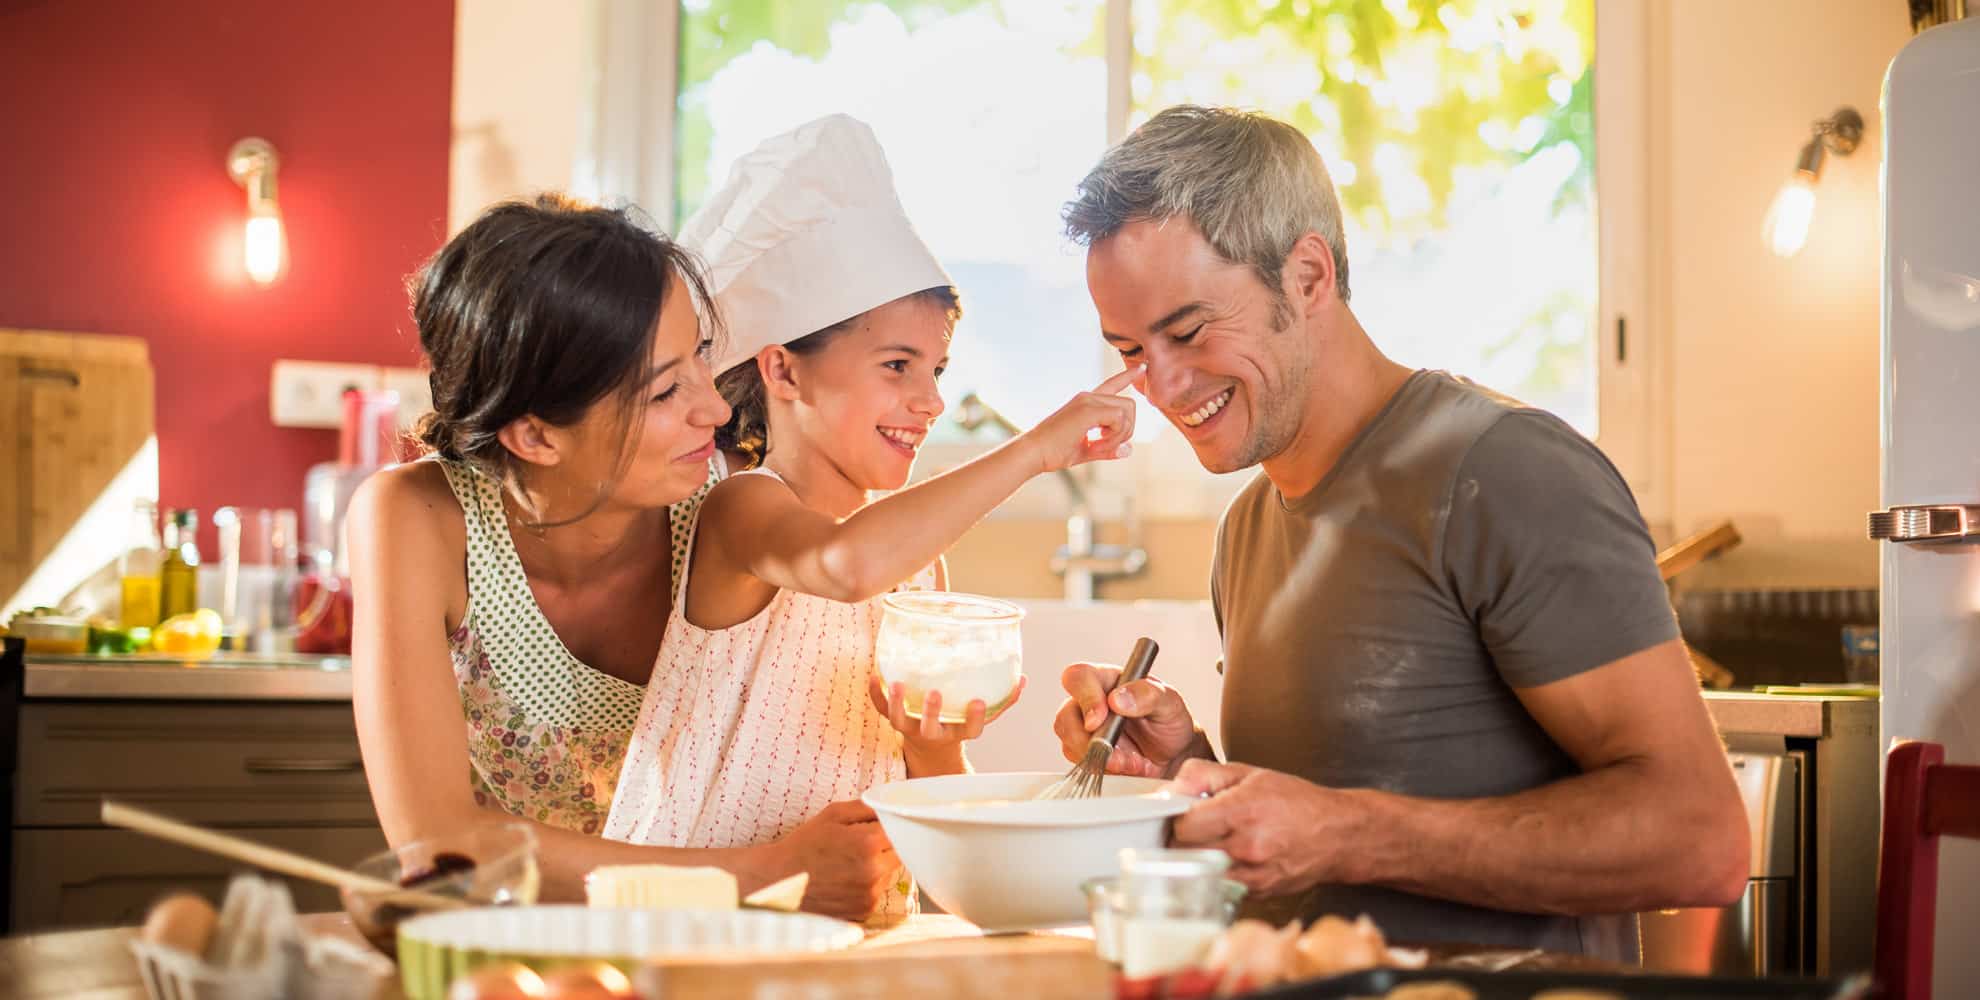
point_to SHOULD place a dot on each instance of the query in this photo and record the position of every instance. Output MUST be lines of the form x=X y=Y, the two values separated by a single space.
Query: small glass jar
x=967 y=647
x=1106 y=905
x=1172 y=904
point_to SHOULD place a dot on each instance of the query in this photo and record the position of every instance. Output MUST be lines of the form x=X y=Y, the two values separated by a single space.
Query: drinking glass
x=258 y=576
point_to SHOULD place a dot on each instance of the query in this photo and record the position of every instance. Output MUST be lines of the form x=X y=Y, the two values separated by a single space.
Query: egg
x=1252 y=954
x=1443 y=990
x=181 y=921
x=1334 y=947
x=587 y=981
x=500 y=981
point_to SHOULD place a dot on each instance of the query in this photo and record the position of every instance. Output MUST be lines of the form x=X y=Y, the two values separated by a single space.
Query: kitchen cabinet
x=102 y=878
x=278 y=764
x=1807 y=766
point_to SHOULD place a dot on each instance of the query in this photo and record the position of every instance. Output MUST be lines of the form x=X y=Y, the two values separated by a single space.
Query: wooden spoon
x=272 y=858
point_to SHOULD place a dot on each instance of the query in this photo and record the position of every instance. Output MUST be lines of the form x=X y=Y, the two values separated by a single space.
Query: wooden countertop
x=929 y=955
x=222 y=677
x=1800 y=715
x=937 y=956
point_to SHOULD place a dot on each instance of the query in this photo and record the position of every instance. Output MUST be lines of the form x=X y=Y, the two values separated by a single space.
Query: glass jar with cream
x=965 y=646
x=1170 y=905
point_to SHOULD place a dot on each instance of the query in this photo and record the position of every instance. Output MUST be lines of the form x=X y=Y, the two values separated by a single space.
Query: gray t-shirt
x=1374 y=630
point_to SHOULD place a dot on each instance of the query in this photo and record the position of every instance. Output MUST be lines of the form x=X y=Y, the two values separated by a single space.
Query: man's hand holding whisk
x=1160 y=732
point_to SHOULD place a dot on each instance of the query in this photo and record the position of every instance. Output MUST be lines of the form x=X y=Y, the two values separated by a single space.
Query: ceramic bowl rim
x=1159 y=803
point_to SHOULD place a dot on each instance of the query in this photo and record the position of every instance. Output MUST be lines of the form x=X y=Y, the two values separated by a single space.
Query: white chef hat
x=807 y=232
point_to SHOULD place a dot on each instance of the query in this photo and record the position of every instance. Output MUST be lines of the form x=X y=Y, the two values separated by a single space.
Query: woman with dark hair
x=512 y=588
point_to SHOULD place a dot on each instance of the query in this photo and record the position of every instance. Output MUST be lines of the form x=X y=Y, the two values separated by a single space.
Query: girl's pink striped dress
x=748 y=731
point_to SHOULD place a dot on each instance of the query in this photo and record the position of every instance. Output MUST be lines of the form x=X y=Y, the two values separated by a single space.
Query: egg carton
x=171 y=974
x=258 y=952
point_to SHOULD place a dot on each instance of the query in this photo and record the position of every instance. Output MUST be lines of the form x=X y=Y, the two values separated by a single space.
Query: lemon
x=194 y=635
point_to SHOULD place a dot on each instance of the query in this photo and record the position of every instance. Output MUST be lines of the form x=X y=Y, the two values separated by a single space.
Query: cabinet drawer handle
x=69 y=378
x=301 y=765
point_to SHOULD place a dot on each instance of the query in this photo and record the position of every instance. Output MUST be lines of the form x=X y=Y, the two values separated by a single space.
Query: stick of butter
x=783 y=894
x=661 y=887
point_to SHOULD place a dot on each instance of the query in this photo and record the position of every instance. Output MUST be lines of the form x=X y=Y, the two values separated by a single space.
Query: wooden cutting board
x=75 y=411
x=1688 y=552
x=1684 y=554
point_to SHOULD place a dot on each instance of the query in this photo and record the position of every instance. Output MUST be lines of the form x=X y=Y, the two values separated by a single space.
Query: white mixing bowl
x=984 y=851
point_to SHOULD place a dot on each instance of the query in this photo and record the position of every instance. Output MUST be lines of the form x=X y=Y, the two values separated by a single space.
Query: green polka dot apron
x=546 y=732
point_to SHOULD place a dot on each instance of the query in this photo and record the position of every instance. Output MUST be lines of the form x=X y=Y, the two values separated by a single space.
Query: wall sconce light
x=1786 y=228
x=251 y=163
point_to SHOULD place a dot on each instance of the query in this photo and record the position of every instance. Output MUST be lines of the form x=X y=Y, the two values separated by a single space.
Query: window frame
x=626 y=151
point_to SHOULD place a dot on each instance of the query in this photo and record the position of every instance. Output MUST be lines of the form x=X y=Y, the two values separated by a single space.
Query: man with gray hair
x=1454 y=694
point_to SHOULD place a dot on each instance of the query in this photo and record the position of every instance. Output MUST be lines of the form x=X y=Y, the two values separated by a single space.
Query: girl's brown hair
x=748 y=429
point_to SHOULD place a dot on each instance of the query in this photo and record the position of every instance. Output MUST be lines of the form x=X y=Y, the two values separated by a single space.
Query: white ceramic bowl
x=984 y=851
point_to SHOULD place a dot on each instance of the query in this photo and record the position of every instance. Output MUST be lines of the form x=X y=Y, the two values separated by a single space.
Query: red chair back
x=1924 y=798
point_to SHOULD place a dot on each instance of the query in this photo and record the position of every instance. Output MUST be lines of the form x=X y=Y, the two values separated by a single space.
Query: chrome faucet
x=1080 y=561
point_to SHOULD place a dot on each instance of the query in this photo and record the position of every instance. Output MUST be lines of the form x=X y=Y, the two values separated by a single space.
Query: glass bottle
x=179 y=576
x=138 y=569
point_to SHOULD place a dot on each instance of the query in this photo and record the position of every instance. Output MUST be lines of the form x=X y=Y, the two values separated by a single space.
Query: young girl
x=842 y=320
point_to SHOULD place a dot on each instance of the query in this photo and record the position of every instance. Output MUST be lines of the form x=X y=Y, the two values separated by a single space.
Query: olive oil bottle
x=178 y=577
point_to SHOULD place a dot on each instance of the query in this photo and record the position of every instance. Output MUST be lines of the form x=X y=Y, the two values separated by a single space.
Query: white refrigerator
x=1930 y=527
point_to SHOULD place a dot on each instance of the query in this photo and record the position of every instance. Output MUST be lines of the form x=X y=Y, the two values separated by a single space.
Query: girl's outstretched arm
x=755 y=527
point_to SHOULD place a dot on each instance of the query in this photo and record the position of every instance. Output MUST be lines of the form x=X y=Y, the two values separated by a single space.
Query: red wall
x=117 y=214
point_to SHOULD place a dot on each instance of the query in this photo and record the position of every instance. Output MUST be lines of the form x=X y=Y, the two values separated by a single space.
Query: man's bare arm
x=1654 y=821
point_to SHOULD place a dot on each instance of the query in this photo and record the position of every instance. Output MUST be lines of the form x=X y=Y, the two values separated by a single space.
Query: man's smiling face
x=1223 y=365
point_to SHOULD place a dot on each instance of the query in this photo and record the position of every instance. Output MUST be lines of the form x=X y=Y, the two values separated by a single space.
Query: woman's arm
x=408 y=550
x=759 y=529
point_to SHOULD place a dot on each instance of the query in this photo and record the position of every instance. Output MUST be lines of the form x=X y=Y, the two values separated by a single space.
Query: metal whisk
x=1083 y=781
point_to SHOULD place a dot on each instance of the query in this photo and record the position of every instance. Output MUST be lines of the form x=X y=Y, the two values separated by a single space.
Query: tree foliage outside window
x=714 y=33
x=1460 y=135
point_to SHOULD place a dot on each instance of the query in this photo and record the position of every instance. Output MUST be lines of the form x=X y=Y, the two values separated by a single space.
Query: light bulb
x=1786 y=228
x=251 y=163
x=263 y=246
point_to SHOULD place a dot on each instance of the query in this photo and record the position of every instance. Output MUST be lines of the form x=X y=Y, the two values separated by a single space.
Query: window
x=1460 y=134
x=1461 y=141
x=989 y=113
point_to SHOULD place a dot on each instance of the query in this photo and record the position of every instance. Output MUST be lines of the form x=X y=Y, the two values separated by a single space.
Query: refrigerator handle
x=1926 y=523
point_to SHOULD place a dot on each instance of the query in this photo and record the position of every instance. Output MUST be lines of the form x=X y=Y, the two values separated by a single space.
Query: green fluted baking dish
x=435 y=948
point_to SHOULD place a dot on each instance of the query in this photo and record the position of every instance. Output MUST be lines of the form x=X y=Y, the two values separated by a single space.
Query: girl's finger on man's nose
x=1120 y=380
